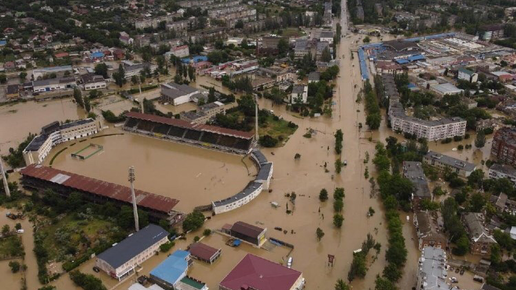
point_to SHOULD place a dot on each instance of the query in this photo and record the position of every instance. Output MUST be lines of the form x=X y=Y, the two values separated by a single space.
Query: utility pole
x=256 y=116
x=135 y=208
x=6 y=184
x=141 y=103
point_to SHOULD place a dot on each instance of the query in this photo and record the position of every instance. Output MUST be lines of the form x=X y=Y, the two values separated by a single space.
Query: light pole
x=135 y=208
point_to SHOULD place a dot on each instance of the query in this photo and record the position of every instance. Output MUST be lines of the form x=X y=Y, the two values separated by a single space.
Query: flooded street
x=198 y=176
x=18 y=120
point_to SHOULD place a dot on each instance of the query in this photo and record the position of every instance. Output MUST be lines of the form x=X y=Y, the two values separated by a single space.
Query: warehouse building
x=253 y=272
x=204 y=252
x=120 y=260
x=172 y=270
x=248 y=233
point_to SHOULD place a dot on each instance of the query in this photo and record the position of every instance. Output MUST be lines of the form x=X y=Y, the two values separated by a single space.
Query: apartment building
x=55 y=133
x=432 y=272
x=480 y=238
x=504 y=146
x=203 y=114
x=442 y=162
x=497 y=171
x=431 y=130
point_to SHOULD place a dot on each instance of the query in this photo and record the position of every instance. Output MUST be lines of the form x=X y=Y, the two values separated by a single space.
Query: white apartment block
x=39 y=148
x=430 y=130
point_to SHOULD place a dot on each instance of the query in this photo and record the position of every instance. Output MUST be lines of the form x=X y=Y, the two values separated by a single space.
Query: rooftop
x=258 y=273
x=503 y=168
x=101 y=188
x=250 y=188
x=414 y=172
x=203 y=251
x=247 y=229
x=450 y=161
x=172 y=268
x=173 y=90
x=188 y=125
x=432 y=269
x=447 y=88
x=133 y=245
x=55 y=81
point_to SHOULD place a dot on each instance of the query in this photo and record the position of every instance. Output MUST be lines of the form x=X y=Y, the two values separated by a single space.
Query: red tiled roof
x=202 y=251
x=259 y=273
x=101 y=188
x=191 y=126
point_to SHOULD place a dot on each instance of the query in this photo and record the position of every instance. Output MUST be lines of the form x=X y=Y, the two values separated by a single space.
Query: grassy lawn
x=277 y=128
x=11 y=247
x=70 y=238
x=292 y=32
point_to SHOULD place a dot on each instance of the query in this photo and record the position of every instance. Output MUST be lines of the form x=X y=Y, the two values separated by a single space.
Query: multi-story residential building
x=467 y=75
x=504 y=146
x=432 y=272
x=430 y=130
x=427 y=231
x=413 y=171
x=443 y=162
x=268 y=45
x=204 y=113
x=54 y=134
x=497 y=171
x=480 y=238
x=122 y=259
x=93 y=82
x=56 y=84
x=299 y=94
x=180 y=51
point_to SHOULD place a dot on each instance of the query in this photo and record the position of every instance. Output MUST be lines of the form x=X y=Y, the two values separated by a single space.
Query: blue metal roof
x=173 y=268
x=401 y=61
x=195 y=59
x=416 y=57
x=363 y=64
x=97 y=54
x=133 y=245
x=3 y=42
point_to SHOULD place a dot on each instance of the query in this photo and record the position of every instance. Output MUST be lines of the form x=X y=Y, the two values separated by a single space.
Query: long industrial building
x=431 y=130
x=42 y=177
x=196 y=134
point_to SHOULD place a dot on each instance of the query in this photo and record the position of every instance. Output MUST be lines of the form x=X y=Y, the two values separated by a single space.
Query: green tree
x=87 y=105
x=339 y=137
x=338 y=193
x=338 y=219
x=101 y=69
x=193 y=221
x=283 y=46
x=6 y=229
x=384 y=284
x=119 y=76
x=135 y=80
x=77 y=95
x=319 y=233
x=326 y=54
x=3 y=79
x=338 y=205
x=480 y=140
x=338 y=166
x=15 y=266
x=462 y=246
x=18 y=226
x=86 y=281
x=496 y=254
x=323 y=195
x=475 y=178
x=477 y=202
x=23 y=76
x=341 y=285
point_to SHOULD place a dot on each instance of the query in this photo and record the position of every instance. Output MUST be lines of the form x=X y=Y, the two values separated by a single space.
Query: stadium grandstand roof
x=101 y=188
x=191 y=126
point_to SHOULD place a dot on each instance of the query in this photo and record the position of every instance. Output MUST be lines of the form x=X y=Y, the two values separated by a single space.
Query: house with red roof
x=255 y=273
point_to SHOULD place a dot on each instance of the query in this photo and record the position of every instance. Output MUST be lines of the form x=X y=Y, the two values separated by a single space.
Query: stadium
x=206 y=136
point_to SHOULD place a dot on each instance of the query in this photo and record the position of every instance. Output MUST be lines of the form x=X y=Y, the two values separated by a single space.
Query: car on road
x=96 y=269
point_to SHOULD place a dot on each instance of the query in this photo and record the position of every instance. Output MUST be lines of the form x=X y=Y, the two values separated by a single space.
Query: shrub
x=15 y=266
x=166 y=247
x=323 y=195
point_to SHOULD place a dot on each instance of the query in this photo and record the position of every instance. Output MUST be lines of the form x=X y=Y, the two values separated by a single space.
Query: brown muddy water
x=18 y=120
x=197 y=176
x=192 y=175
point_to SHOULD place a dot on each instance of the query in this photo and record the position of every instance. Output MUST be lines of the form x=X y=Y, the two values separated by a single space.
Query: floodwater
x=194 y=176
x=197 y=176
x=18 y=120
